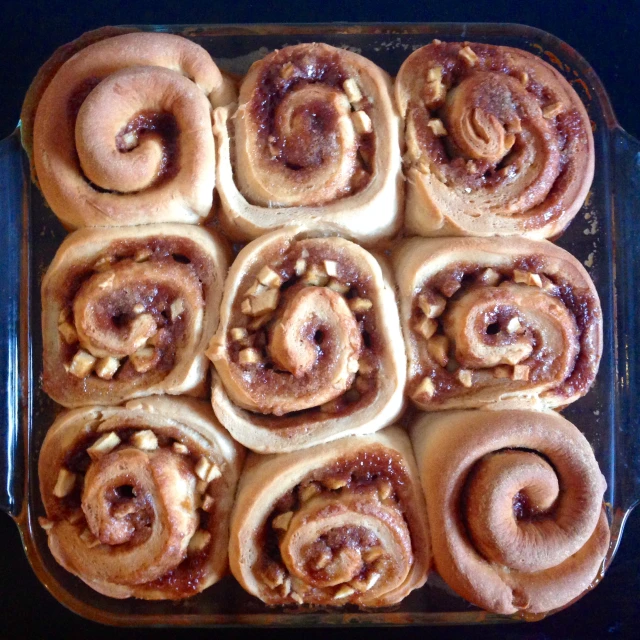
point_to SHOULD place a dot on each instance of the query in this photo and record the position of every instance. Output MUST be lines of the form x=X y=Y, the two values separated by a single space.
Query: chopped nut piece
x=434 y=92
x=359 y=305
x=490 y=277
x=450 y=287
x=199 y=542
x=145 y=440
x=207 y=503
x=76 y=516
x=331 y=267
x=82 y=364
x=268 y=277
x=177 y=308
x=432 y=308
x=338 y=286
x=301 y=266
x=245 y=307
x=46 y=524
x=201 y=487
x=361 y=122
x=214 y=473
x=273 y=576
x=238 y=333
x=371 y=555
x=138 y=308
x=202 y=468
x=323 y=560
x=103 y=445
x=286 y=587
x=552 y=110
x=427 y=327
x=501 y=371
x=282 y=521
x=372 y=580
x=106 y=367
x=513 y=326
x=106 y=284
x=385 y=489
x=426 y=387
x=296 y=597
x=468 y=55
x=89 y=539
x=102 y=264
x=316 y=276
x=438 y=348
x=352 y=90
x=464 y=377
x=68 y=332
x=334 y=483
x=520 y=372
x=343 y=592
x=435 y=73
x=249 y=356
x=437 y=127
x=64 y=484
x=309 y=491
x=178 y=447
x=525 y=277
x=524 y=78
x=259 y=321
x=142 y=255
x=287 y=70
x=255 y=289
x=364 y=367
x=143 y=359
x=265 y=302
x=515 y=125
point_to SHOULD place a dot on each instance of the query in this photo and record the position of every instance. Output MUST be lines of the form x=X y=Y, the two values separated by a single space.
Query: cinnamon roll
x=342 y=522
x=129 y=312
x=309 y=346
x=138 y=497
x=515 y=507
x=498 y=142
x=123 y=132
x=513 y=322
x=315 y=137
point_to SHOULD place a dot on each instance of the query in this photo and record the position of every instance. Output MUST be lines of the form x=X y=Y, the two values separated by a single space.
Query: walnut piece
x=282 y=521
x=180 y=448
x=143 y=359
x=437 y=127
x=468 y=55
x=176 y=309
x=426 y=327
x=438 y=349
x=68 y=332
x=343 y=592
x=359 y=305
x=514 y=326
x=520 y=372
x=269 y=278
x=315 y=276
x=361 y=122
x=199 y=542
x=249 y=356
x=301 y=266
x=552 y=110
x=432 y=307
x=425 y=388
x=238 y=333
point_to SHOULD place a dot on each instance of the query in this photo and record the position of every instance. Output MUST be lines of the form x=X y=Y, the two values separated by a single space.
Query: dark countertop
x=605 y=33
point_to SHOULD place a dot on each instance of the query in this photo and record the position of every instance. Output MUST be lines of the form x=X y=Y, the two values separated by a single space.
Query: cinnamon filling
x=513 y=325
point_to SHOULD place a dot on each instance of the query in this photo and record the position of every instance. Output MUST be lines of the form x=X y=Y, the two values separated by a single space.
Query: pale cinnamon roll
x=340 y=523
x=498 y=142
x=129 y=312
x=138 y=498
x=315 y=136
x=492 y=322
x=123 y=132
x=515 y=507
x=309 y=346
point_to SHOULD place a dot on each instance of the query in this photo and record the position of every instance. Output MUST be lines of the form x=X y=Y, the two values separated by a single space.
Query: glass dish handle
x=11 y=462
x=626 y=207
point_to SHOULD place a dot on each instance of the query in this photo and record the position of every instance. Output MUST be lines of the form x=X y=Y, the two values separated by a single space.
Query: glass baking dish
x=604 y=236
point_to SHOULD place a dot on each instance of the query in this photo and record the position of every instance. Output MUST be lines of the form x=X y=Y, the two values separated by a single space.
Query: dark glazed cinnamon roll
x=309 y=347
x=514 y=501
x=315 y=137
x=138 y=497
x=496 y=321
x=340 y=523
x=498 y=142
x=123 y=133
x=129 y=312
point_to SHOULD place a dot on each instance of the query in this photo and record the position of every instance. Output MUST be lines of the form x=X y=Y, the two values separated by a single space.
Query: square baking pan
x=604 y=236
